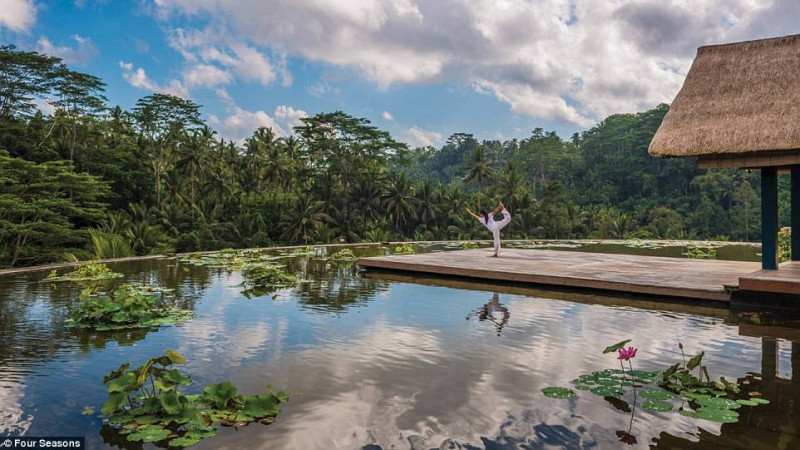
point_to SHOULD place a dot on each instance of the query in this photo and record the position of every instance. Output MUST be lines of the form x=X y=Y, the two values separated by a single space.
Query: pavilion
x=740 y=108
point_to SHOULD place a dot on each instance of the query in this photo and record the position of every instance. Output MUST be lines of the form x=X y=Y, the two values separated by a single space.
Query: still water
x=393 y=362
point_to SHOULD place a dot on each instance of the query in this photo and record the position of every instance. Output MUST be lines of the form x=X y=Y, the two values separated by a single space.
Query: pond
x=384 y=361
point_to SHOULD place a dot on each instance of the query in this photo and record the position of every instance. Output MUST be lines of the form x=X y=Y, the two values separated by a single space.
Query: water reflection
x=388 y=362
x=494 y=312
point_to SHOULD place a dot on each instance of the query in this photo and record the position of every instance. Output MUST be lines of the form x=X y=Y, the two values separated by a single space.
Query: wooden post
x=769 y=358
x=769 y=218
x=795 y=195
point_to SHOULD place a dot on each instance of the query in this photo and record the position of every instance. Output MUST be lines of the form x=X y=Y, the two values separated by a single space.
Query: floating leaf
x=747 y=402
x=608 y=382
x=261 y=405
x=608 y=391
x=583 y=387
x=656 y=405
x=88 y=410
x=150 y=434
x=694 y=395
x=657 y=394
x=719 y=403
x=760 y=401
x=183 y=442
x=559 y=392
x=617 y=346
x=717 y=415
x=687 y=413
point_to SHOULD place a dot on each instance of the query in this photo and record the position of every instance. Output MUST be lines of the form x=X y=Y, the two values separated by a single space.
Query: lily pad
x=607 y=382
x=747 y=402
x=608 y=391
x=657 y=394
x=583 y=387
x=717 y=415
x=656 y=405
x=183 y=442
x=262 y=406
x=559 y=392
x=719 y=403
x=150 y=434
x=760 y=401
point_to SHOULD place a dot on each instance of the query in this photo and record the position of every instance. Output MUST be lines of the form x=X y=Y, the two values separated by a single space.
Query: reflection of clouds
x=391 y=381
x=13 y=420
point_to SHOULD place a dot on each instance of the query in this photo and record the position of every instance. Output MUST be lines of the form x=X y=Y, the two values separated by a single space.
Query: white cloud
x=289 y=117
x=84 y=52
x=17 y=15
x=320 y=88
x=417 y=137
x=241 y=123
x=565 y=60
x=205 y=75
x=138 y=78
x=387 y=116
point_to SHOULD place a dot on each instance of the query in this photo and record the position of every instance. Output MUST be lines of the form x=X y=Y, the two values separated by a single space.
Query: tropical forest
x=94 y=181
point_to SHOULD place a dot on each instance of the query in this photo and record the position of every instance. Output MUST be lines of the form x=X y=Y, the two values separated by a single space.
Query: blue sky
x=420 y=69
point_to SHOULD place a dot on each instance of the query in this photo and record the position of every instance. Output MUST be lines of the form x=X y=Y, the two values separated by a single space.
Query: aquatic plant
x=343 y=256
x=263 y=278
x=228 y=258
x=303 y=251
x=695 y=252
x=89 y=271
x=707 y=399
x=404 y=249
x=466 y=245
x=145 y=404
x=126 y=307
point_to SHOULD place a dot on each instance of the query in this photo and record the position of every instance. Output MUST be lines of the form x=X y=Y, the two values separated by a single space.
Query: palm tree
x=302 y=218
x=367 y=198
x=399 y=201
x=479 y=167
x=427 y=202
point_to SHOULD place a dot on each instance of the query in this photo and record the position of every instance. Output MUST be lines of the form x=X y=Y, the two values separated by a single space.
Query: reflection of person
x=494 y=227
x=495 y=312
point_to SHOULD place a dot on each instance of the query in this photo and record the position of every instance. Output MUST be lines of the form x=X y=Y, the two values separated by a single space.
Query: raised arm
x=473 y=214
x=498 y=208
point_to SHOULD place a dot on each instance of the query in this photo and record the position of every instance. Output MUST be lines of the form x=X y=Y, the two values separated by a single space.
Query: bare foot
x=494 y=256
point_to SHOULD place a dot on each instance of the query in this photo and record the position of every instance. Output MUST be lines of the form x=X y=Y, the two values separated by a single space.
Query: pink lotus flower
x=627 y=353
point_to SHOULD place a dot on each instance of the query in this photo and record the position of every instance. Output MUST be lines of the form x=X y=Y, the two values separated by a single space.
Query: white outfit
x=495 y=228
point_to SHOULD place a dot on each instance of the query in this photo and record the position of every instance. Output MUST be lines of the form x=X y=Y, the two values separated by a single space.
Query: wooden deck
x=785 y=280
x=671 y=277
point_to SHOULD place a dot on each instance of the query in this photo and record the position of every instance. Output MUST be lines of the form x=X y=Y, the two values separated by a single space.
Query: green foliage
x=404 y=249
x=145 y=404
x=466 y=245
x=696 y=252
x=89 y=271
x=109 y=245
x=263 y=278
x=41 y=207
x=710 y=400
x=785 y=244
x=174 y=185
x=559 y=392
x=343 y=256
x=126 y=307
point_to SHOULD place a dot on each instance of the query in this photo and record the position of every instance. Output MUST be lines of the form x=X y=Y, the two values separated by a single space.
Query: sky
x=420 y=69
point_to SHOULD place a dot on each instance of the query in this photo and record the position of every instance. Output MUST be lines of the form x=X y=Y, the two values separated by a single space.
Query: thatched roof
x=739 y=99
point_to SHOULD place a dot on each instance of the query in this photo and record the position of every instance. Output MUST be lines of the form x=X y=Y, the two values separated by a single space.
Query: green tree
x=43 y=207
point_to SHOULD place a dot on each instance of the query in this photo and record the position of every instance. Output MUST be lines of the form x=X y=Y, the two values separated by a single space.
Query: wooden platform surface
x=785 y=280
x=673 y=277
